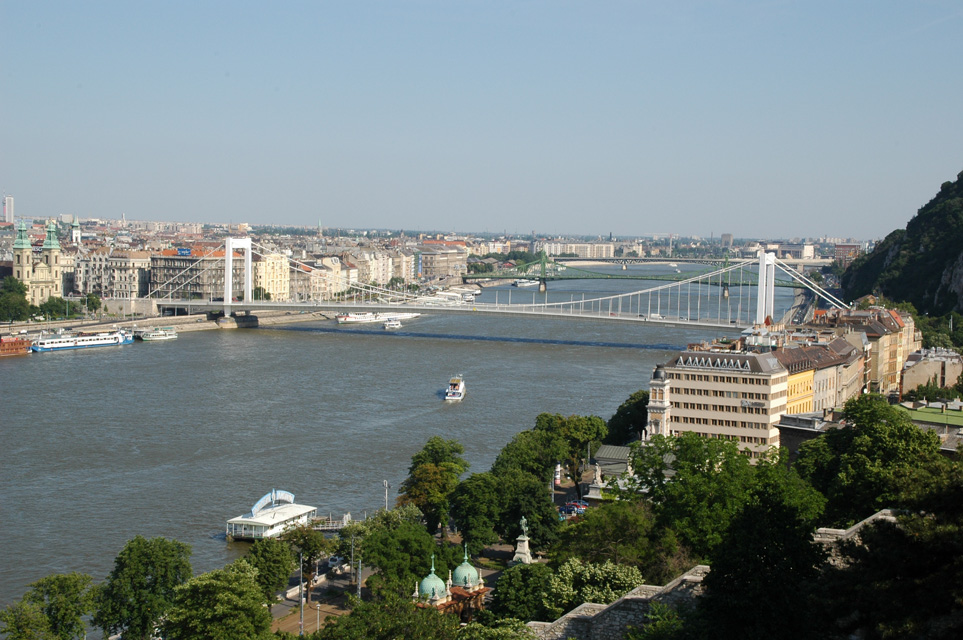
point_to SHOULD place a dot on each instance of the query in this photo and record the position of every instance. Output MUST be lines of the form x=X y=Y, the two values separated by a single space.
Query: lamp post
x=317 y=625
x=387 y=486
x=301 y=592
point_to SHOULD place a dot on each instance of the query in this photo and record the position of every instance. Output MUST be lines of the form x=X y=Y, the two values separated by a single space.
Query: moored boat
x=525 y=282
x=456 y=389
x=368 y=317
x=64 y=341
x=156 y=334
x=14 y=346
x=270 y=517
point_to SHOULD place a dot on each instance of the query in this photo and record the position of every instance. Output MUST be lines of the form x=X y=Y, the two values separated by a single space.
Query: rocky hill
x=923 y=263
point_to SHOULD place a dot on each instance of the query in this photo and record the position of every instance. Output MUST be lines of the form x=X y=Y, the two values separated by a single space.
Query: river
x=173 y=438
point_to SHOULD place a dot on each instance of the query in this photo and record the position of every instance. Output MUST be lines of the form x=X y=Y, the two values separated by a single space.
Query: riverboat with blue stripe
x=64 y=341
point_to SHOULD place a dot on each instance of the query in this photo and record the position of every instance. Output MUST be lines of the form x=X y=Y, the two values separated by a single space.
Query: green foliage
x=274 y=562
x=576 y=582
x=507 y=629
x=577 y=433
x=695 y=485
x=521 y=591
x=402 y=557
x=629 y=420
x=25 y=620
x=56 y=307
x=623 y=532
x=357 y=531
x=535 y=452
x=859 y=467
x=221 y=605
x=475 y=505
x=12 y=285
x=920 y=263
x=139 y=590
x=432 y=477
x=905 y=579
x=767 y=554
x=525 y=495
x=13 y=300
x=64 y=600
x=391 y=619
x=311 y=546
x=662 y=622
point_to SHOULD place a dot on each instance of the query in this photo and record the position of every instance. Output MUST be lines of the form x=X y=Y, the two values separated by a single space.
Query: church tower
x=22 y=256
x=75 y=236
x=51 y=258
x=660 y=404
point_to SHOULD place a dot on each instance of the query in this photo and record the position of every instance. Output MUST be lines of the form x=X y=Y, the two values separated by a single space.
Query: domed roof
x=432 y=586
x=465 y=575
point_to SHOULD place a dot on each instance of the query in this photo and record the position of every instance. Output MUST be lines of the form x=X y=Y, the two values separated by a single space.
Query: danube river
x=173 y=438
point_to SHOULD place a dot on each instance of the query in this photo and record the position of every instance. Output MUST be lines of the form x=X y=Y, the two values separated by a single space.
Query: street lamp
x=387 y=486
x=317 y=625
x=301 y=591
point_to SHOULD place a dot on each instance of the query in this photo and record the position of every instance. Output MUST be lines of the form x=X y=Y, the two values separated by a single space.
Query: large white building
x=8 y=208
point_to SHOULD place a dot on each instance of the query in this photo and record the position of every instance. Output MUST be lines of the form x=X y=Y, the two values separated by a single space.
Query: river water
x=173 y=438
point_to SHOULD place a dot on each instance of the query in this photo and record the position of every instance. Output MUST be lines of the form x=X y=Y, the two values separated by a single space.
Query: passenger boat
x=456 y=389
x=525 y=282
x=14 y=346
x=392 y=324
x=368 y=317
x=64 y=341
x=155 y=334
x=270 y=517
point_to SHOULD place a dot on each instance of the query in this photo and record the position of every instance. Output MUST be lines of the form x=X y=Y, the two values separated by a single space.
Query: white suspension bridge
x=734 y=296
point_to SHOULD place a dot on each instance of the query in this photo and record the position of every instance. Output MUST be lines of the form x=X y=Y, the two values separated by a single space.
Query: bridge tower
x=229 y=245
x=767 y=287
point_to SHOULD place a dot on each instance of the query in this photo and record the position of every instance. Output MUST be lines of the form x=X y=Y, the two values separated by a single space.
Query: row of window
x=740 y=439
x=739 y=395
x=700 y=377
x=728 y=408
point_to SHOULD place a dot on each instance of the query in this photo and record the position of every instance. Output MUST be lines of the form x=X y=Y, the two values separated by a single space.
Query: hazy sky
x=761 y=119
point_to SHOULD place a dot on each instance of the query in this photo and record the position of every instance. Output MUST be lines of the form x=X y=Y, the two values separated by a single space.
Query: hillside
x=922 y=264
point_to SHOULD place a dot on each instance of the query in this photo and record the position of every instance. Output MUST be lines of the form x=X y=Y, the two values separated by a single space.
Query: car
x=579 y=503
x=567 y=510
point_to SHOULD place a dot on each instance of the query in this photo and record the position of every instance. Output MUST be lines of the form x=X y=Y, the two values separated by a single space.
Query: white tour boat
x=270 y=517
x=368 y=317
x=525 y=282
x=392 y=324
x=159 y=333
x=64 y=341
x=456 y=389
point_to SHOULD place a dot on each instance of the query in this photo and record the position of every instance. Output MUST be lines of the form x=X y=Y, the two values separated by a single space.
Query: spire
x=23 y=240
x=51 y=242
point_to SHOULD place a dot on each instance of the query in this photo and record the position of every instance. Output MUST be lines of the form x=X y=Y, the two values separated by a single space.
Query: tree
x=475 y=505
x=521 y=591
x=390 y=619
x=859 y=467
x=535 y=452
x=13 y=300
x=24 y=620
x=13 y=285
x=274 y=562
x=767 y=554
x=64 y=600
x=662 y=622
x=93 y=302
x=695 y=484
x=139 y=590
x=576 y=582
x=507 y=629
x=629 y=420
x=578 y=433
x=311 y=545
x=259 y=293
x=220 y=605
x=352 y=537
x=524 y=495
x=432 y=477
x=402 y=557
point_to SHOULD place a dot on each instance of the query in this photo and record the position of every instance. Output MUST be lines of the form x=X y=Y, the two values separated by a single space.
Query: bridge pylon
x=229 y=245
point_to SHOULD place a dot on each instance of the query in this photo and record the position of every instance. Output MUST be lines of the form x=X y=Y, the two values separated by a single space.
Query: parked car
x=567 y=510
x=581 y=503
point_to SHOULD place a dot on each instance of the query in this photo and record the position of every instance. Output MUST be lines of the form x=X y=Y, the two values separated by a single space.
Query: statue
x=522 y=553
x=524 y=526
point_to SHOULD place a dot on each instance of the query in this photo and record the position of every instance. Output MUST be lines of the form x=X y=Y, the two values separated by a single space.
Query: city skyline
x=762 y=120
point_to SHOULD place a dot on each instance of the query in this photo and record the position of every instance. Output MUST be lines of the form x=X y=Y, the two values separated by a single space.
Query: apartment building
x=580 y=249
x=726 y=395
x=272 y=274
x=111 y=273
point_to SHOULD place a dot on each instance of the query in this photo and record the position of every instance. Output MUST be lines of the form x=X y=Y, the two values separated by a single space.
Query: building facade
x=43 y=278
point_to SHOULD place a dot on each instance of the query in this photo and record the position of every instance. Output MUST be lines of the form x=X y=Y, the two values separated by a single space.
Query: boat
x=64 y=341
x=525 y=282
x=270 y=516
x=392 y=324
x=673 y=265
x=155 y=334
x=14 y=346
x=456 y=389
x=368 y=317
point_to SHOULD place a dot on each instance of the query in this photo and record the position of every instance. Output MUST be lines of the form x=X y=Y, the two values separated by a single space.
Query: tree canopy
x=630 y=419
x=432 y=477
x=140 y=589
x=274 y=561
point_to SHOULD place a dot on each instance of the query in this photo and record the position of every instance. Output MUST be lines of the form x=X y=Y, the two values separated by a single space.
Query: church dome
x=432 y=586
x=465 y=575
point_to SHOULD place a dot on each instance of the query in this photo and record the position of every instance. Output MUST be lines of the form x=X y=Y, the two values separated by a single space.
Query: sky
x=766 y=119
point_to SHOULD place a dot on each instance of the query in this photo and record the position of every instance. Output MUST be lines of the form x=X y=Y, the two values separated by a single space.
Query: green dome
x=432 y=586
x=465 y=575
